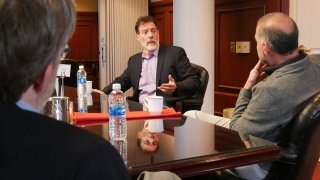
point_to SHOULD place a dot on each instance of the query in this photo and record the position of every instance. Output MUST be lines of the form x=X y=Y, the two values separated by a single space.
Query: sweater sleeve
x=255 y=112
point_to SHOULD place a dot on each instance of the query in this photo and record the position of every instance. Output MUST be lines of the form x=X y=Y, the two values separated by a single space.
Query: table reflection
x=148 y=141
x=122 y=148
x=194 y=138
x=186 y=147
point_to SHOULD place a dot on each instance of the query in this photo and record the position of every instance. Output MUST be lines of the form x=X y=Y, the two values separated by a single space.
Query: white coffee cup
x=89 y=87
x=154 y=104
x=154 y=125
x=89 y=95
x=89 y=100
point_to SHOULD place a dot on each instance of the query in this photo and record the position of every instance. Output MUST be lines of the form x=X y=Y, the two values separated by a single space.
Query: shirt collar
x=270 y=70
x=26 y=106
x=154 y=54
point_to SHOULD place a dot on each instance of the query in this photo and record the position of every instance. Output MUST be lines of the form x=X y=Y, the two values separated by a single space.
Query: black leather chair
x=300 y=153
x=196 y=101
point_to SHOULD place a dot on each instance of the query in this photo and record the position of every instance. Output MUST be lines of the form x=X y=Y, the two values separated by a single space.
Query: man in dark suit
x=33 y=35
x=158 y=70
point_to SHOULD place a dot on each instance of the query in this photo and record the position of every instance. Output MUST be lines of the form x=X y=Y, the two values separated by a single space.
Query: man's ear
x=44 y=78
x=266 y=48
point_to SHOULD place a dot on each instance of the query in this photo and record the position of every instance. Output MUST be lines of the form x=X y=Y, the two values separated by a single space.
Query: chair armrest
x=188 y=104
x=191 y=102
x=288 y=156
x=173 y=100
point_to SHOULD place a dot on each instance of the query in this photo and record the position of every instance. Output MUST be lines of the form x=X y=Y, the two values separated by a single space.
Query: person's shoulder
x=136 y=56
x=134 y=59
x=171 y=50
x=72 y=146
x=49 y=131
x=170 y=47
x=20 y=120
x=15 y=113
x=314 y=58
x=61 y=129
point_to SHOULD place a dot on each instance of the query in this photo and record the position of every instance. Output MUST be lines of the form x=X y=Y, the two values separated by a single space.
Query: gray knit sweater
x=266 y=108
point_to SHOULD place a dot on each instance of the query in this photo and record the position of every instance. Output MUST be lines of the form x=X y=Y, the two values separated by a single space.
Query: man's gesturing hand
x=169 y=87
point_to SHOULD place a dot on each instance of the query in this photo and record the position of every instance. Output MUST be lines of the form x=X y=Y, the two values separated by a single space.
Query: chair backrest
x=301 y=152
x=195 y=102
x=72 y=80
x=203 y=74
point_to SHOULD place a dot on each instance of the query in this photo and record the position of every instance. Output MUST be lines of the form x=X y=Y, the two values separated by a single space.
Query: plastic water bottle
x=82 y=90
x=117 y=114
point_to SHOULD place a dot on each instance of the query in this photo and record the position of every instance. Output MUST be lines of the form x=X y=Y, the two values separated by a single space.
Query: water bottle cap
x=116 y=86
x=81 y=67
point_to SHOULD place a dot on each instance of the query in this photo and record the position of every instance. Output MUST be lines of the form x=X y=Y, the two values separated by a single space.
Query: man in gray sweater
x=277 y=87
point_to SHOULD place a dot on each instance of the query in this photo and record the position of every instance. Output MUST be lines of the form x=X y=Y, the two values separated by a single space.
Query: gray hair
x=282 y=42
x=32 y=36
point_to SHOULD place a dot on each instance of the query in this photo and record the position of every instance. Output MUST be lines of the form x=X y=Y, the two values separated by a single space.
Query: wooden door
x=235 y=21
x=84 y=45
x=162 y=11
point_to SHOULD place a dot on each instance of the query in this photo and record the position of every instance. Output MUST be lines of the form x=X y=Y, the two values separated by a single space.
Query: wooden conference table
x=188 y=147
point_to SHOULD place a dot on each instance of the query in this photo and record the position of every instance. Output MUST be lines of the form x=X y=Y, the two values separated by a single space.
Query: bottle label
x=117 y=110
x=112 y=111
x=81 y=80
x=81 y=86
x=121 y=110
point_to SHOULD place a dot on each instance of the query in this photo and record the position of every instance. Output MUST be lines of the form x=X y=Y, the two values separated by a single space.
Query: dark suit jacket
x=33 y=146
x=171 y=60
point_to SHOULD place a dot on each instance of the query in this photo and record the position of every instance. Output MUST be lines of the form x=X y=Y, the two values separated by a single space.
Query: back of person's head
x=142 y=20
x=33 y=35
x=280 y=31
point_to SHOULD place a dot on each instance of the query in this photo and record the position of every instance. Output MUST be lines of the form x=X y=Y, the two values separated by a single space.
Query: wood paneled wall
x=84 y=45
x=163 y=12
x=236 y=21
x=84 y=42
